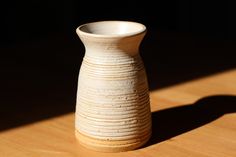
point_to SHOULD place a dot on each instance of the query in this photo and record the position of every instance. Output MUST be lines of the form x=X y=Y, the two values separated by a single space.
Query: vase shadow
x=174 y=121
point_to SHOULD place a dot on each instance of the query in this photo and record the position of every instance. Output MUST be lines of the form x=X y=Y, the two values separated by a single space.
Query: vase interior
x=109 y=28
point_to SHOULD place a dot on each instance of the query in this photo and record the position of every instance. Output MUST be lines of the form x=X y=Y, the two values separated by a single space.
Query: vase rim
x=111 y=29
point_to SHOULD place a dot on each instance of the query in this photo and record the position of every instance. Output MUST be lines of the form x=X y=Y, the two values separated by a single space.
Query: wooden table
x=195 y=118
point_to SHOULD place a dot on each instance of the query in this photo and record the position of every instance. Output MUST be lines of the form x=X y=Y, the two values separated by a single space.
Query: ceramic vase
x=112 y=106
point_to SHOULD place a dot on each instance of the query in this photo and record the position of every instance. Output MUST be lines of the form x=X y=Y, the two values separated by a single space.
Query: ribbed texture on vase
x=113 y=109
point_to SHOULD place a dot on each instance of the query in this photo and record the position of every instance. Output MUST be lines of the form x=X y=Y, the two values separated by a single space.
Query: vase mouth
x=111 y=29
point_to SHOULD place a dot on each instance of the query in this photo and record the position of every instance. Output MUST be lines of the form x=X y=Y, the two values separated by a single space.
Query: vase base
x=111 y=145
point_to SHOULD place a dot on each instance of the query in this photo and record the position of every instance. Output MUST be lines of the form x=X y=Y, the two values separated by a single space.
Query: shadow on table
x=33 y=94
x=174 y=121
x=38 y=80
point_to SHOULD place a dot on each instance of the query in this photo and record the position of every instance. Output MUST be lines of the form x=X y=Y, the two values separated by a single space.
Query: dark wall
x=27 y=20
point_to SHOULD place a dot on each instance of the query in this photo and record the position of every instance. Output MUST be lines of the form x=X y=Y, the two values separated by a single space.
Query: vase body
x=112 y=106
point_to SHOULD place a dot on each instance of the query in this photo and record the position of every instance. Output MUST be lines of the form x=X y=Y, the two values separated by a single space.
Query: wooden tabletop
x=195 y=118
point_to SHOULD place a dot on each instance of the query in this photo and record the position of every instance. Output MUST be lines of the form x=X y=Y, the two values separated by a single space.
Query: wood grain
x=196 y=118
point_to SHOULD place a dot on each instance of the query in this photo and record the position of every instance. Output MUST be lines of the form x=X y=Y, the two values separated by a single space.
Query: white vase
x=112 y=108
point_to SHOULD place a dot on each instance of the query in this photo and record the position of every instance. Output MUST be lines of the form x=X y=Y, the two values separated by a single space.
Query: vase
x=112 y=105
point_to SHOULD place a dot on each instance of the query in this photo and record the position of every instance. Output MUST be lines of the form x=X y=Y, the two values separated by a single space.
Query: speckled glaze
x=112 y=108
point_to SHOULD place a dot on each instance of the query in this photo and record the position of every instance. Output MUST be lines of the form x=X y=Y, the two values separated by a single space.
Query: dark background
x=41 y=53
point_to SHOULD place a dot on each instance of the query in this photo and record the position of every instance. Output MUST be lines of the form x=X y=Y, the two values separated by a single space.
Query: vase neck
x=119 y=45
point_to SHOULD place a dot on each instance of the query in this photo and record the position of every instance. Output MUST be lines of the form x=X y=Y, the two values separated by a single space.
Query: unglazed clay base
x=111 y=146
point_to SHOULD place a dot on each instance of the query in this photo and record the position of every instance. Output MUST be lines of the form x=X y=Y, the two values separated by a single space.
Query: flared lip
x=139 y=29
